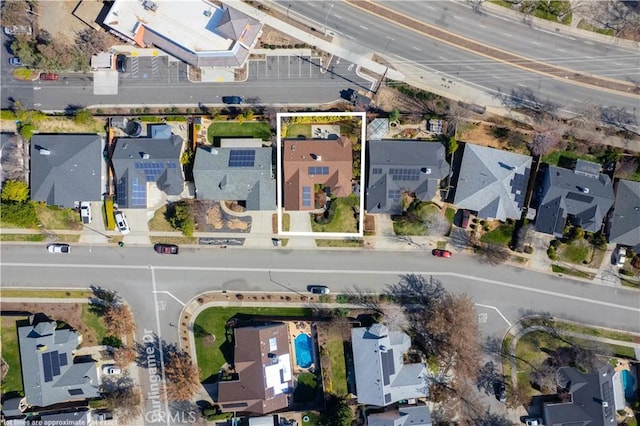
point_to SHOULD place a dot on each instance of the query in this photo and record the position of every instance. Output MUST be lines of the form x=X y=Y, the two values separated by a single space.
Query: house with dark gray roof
x=583 y=196
x=492 y=182
x=625 y=221
x=262 y=379
x=418 y=415
x=382 y=377
x=50 y=375
x=140 y=162
x=236 y=174
x=590 y=399
x=67 y=169
x=397 y=166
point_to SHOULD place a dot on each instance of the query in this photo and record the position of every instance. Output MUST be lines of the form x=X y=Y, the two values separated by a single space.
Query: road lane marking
x=159 y=334
x=507 y=34
x=170 y=295
x=560 y=50
x=337 y=16
x=536 y=43
x=495 y=309
x=328 y=272
x=363 y=27
x=416 y=48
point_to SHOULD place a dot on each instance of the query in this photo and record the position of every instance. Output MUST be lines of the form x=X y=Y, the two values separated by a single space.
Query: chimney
x=213 y=151
x=44 y=151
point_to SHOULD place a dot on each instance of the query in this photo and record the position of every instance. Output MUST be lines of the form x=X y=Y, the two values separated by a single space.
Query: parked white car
x=111 y=370
x=59 y=248
x=121 y=223
x=85 y=212
x=621 y=258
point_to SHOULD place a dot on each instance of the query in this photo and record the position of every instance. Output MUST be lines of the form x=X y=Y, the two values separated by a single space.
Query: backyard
x=209 y=333
x=343 y=218
x=12 y=381
x=247 y=129
x=332 y=338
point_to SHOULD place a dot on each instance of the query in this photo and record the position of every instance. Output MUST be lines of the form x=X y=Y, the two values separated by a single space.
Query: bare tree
x=181 y=376
x=627 y=166
x=417 y=293
x=365 y=298
x=123 y=398
x=124 y=356
x=436 y=224
x=460 y=239
x=395 y=317
x=16 y=12
x=14 y=160
x=119 y=320
x=493 y=254
x=91 y=41
x=544 y=142
x=544 y=376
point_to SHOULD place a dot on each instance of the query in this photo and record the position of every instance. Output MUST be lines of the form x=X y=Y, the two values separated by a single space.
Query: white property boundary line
x=280 y=207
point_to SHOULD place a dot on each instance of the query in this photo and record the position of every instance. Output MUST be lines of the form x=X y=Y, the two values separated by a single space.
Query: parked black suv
x=232 y=100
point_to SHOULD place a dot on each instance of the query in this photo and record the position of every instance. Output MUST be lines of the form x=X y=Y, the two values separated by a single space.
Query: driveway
x=138 y=220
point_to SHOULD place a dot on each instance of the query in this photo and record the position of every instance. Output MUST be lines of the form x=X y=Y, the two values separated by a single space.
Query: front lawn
x=501 y=235
x=94 y=322
x=13 y=380
x=413 y=221
x=576 y=252
x=342 y=219
x=210 y=339
x=53 y=217
x=159 y=221
x=230 y=129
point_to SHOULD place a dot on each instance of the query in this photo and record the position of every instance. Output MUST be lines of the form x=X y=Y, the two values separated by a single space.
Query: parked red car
x=166 y=248
x=48 y=76
x=441 y=253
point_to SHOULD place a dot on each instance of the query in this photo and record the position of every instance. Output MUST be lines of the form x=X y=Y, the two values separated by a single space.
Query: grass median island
x=210 y=338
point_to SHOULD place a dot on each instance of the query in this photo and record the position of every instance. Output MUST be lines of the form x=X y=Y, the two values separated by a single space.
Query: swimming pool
x=304 y=351
x=628 y=383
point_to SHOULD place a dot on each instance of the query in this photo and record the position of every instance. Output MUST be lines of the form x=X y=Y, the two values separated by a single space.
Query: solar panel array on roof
x=242 y=158
x=306 y=196
x=376 y=171
x=63 y=359
x=51 y=365
x=580 y=197
x=121 y=193
x=152 y=169
x=386 y=359
x=519 y=188
x=394 y=194
x=587 y=168
x=138 y=193
x=405 y=174
x=318 y=171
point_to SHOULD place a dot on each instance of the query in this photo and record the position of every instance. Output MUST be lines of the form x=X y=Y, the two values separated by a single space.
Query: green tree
x=180 y=216
x=452 y=145
x=83 y=116
x=248 y=114
x=26 y=130
x=394 y=115
x=15 y=191
x=337 y=412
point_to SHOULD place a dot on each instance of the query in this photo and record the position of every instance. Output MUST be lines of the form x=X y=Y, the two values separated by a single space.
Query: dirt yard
x=56 y=17
x=70 y=313
x=216 y=219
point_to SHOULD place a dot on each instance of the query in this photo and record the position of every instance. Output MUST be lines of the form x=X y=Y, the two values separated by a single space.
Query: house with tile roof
x=308 y=162
x=236 y=174
x=403 y=415
x=590 y=399
x=397 y=166
x=67 y=169
x=202 y=33
x=582 y=196
x=492 y=182
x=262 y=380
x=382 y=377
x=141 y=162
x=50 y=374
x=625 y=221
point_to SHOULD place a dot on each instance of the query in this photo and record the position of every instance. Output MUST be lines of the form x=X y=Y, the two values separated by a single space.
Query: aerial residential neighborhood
x=337 y=213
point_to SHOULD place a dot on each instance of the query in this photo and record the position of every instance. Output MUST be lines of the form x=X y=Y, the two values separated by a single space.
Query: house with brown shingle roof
x=307 y=162
x=263 y=371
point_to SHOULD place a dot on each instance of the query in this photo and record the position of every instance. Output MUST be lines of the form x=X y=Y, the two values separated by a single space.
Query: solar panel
x=121 y=193
x=318 y=171
x=306 y=196
x=405 y=174
x=394 y=194
x=242 y=158
x=63 y=359
x=55 y=363
x=376 y=171
x=172 y=165
x=75 y=392
x=152 y=169
x=139 y=193
x=46 y=367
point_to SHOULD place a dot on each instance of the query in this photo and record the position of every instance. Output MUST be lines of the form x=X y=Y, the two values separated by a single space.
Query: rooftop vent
x=150 y=5
x=44 y=151
x=144 y=155
x=426 y=170
x=213 y=151
x=207 y=13
x=584 y=190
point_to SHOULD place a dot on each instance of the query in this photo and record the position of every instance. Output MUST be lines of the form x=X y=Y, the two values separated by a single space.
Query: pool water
x=304 y=348
x=628 y=383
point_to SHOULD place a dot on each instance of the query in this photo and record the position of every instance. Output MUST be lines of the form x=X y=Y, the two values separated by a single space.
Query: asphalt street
x=364 y=33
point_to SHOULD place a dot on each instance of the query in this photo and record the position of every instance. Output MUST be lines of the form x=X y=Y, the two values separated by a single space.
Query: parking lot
x=154 y=68
x=285 y=67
